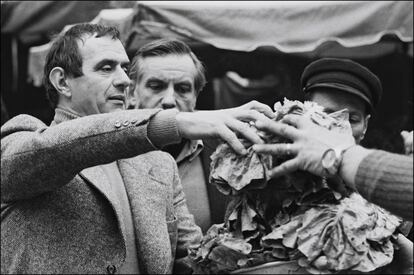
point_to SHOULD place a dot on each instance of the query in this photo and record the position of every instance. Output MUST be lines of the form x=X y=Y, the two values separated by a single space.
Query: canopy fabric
x=110 y=17
x=31 y=20
x=289 y=26
x=312 y=28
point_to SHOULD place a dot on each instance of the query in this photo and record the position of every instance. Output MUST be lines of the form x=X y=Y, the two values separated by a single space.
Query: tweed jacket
x=58 y=213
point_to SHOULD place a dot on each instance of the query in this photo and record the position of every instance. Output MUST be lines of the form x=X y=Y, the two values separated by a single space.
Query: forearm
x=383 y=178
x=163 y=130
x=351 y=161
x=36 y=158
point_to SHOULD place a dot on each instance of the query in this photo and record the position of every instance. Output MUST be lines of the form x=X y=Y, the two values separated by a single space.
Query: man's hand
x=310 y=141
x=408 y=141
x=225 y=124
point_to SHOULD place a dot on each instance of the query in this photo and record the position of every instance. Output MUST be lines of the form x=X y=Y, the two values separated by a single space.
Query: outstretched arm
x=225 y=124
x=36 y=158
x=383 y=178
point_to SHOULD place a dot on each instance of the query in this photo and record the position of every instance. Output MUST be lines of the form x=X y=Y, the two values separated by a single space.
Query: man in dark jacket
x=167 y=74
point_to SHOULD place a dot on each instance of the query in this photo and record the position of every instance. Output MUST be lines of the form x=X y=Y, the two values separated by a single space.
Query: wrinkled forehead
x=92 y=47
x=168 y=65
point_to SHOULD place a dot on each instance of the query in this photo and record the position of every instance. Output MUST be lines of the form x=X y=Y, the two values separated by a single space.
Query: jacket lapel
x=148 y=202
x=97 y=178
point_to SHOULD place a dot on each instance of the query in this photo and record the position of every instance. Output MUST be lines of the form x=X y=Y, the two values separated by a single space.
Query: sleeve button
x=117 y=124
x=111 y=269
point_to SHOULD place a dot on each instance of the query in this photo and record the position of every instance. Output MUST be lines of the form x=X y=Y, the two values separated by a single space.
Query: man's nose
x=121 y=80
x=168 y=100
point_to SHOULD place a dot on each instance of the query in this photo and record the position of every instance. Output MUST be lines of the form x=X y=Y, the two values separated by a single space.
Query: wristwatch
x=331 y=160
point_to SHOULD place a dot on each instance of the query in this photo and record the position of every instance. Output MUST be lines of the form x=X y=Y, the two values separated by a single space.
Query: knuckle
x=222 y=128
x=283 y=129
x=251 y=113
x=267 y=122
x=243 y=128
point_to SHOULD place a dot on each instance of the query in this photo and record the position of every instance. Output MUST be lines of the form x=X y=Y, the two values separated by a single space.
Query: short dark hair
x=64 y=53
x=164 y=47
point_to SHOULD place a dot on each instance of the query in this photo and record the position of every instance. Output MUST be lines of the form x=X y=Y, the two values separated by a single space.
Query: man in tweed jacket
x=90 y=193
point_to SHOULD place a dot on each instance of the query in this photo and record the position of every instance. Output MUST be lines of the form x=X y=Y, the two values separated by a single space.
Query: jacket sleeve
x=36 y=158
x=386 y=179
x=189 y=234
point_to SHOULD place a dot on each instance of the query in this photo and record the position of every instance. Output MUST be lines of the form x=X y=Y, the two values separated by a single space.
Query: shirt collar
x=190 y=150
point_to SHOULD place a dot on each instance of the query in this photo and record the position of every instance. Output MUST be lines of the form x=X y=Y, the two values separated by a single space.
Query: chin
x=358 y=139
x=116 y=109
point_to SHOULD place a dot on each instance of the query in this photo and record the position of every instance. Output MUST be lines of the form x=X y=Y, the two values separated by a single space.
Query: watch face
x=329 y=158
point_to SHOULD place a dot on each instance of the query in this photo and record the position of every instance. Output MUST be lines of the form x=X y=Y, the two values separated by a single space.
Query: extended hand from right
x=310 y=141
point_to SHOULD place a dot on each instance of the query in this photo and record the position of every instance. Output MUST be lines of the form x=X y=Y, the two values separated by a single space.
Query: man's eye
x=354 y=120
x=184 y=89
x=106 y=68
x=154 y=86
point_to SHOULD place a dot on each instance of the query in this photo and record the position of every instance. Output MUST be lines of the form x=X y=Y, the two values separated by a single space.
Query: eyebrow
x=154 y=79
x=355 y=114
x=187 y=82
x=110 y=62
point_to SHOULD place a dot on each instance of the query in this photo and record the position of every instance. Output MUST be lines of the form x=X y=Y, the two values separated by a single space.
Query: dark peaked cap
x=345 y=75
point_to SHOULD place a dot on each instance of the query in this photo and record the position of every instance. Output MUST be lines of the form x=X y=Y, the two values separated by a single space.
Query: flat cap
x=345 y=75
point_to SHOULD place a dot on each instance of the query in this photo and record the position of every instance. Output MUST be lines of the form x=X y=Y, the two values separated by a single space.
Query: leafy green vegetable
x=353 y=235
x=234 y=172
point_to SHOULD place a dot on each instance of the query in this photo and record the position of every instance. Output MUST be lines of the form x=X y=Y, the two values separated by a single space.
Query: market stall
x=257 y=50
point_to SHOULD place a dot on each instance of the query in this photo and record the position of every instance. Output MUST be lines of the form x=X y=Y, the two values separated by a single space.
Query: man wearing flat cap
x=337 y=83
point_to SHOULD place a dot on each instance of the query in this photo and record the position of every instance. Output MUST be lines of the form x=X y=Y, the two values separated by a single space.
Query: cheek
x=357 y=129
x=85 y=97
x=186 y=104
x=147 y=98
x=94 y=92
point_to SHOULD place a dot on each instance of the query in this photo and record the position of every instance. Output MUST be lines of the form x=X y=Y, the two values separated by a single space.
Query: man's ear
x=57 y=77
x=366 y=124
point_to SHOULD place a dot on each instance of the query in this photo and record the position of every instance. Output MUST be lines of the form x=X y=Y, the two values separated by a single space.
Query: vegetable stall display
x=296 y=217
